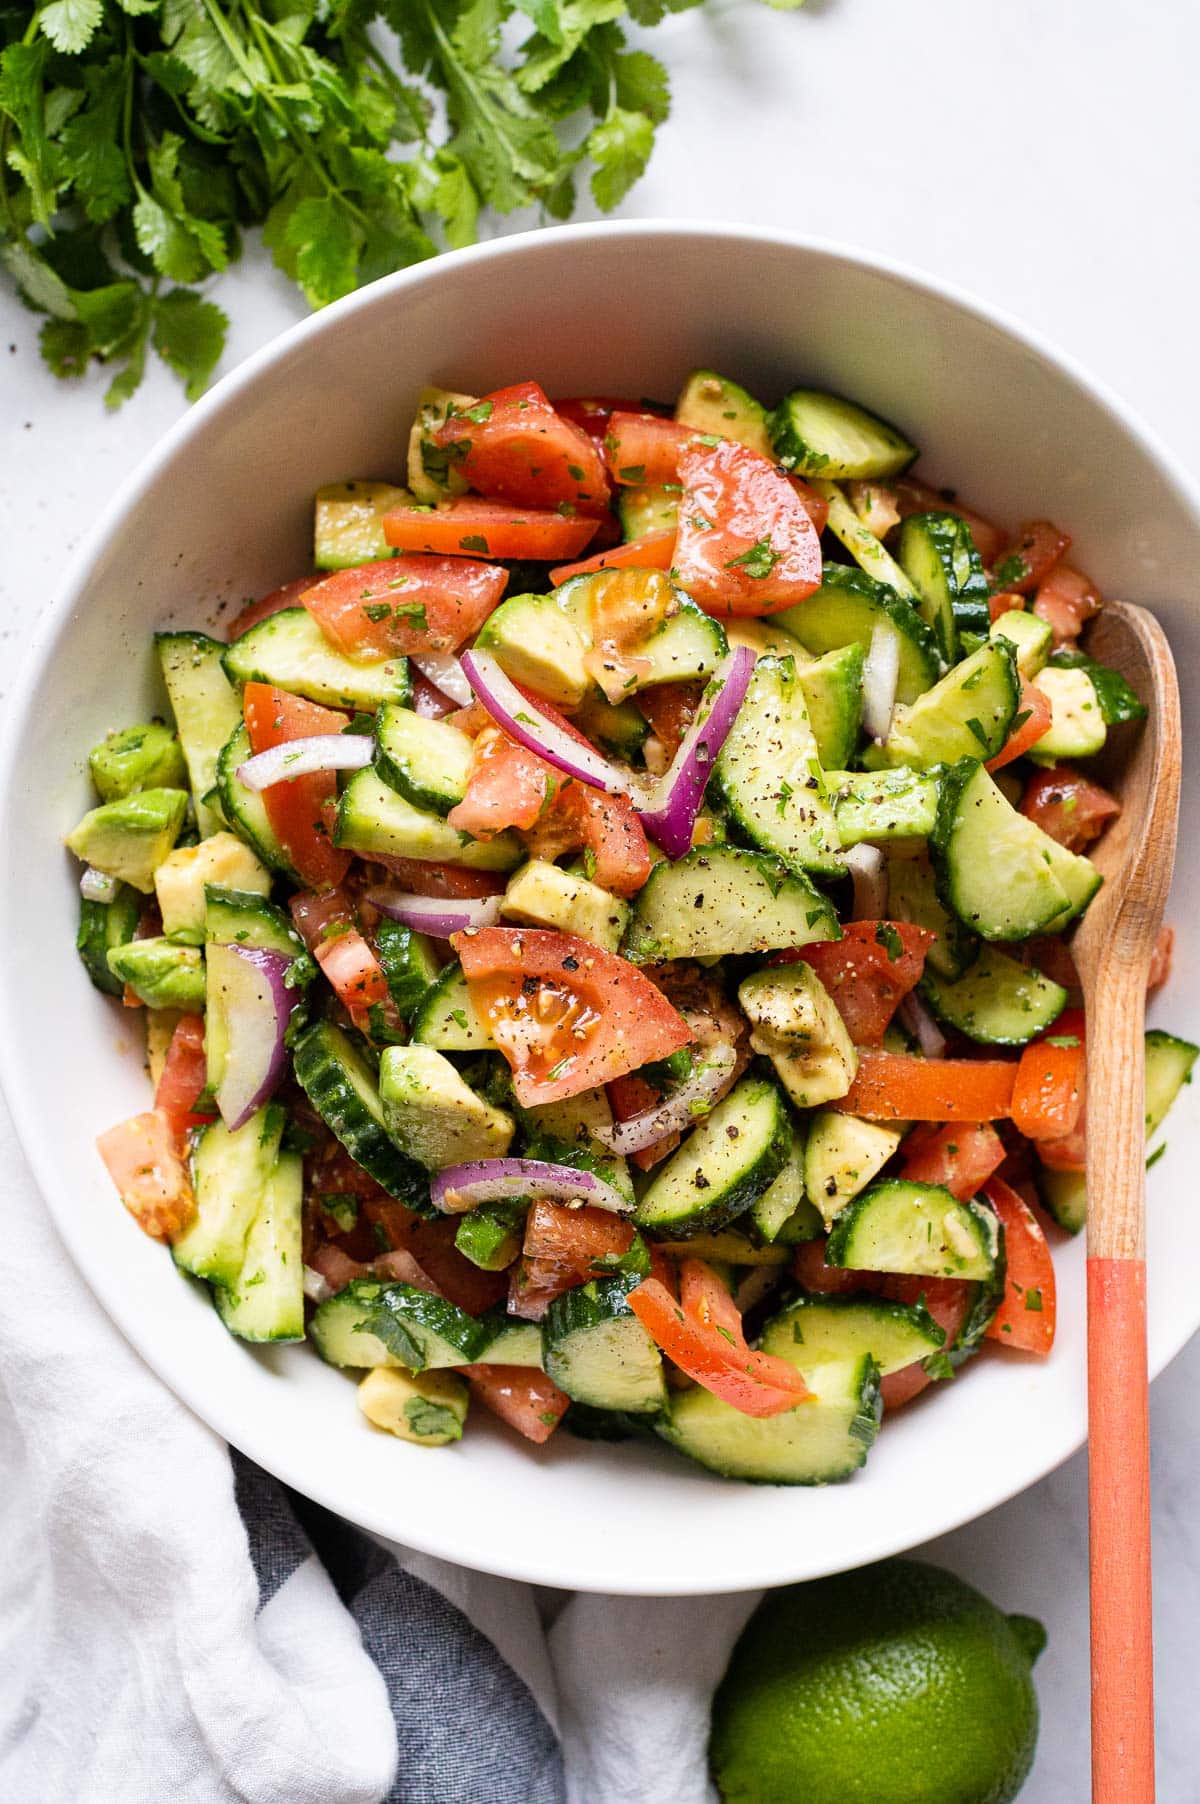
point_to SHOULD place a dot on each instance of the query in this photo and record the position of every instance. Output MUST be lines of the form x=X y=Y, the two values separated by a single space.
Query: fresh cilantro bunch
x=139 y=140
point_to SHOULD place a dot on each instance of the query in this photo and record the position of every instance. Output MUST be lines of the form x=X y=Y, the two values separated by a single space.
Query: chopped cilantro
x=887 y=936
x=758 y=561
x=474 y=541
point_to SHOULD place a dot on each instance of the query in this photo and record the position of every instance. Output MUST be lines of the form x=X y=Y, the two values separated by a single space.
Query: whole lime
x=896 y=1684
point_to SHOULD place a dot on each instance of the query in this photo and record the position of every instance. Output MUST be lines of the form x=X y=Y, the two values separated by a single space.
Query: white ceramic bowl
x=222 y=510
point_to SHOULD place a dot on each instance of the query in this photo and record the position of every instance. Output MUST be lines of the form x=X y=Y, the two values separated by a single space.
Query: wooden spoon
x=1112 y=949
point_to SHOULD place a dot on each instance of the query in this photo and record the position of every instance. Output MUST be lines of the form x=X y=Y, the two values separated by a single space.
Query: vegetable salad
x=603 y=932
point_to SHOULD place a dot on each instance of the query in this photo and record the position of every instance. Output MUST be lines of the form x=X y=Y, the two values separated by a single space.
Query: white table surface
x=1041 y=153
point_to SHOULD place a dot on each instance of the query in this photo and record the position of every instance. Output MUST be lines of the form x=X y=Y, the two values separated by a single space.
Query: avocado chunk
x=713 y=404
x=160 y=973
x=795 y=1023
x=1077 y=728
x=142 y=757
x=348 y=523
x=490 y=1236
x=843 y=1154
x=534 y=643
x=130 y=838
x=180 y=879
x=432 y=1115
x=1032 y=637
x=426 y=1408
x=543 y=895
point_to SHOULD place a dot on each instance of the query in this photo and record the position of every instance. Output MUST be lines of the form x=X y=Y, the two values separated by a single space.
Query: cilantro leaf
x=189 y=335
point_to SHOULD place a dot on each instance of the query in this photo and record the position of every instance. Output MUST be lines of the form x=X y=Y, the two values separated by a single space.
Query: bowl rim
x=56 y=622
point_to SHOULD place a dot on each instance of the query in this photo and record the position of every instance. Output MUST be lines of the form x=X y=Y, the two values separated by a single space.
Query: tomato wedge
x=959 y=1157
x=326 y=925
x=523 y=1398
x=1065 y=600
x=868 y=972
x=593 y=412
x=583 y=1241
x=1070 y=808
x=513 y=446
x=948 y=1301
x=703 y=1334
x=401 y=605
x=143 y=1161
x=746 y=544
x=1031 y=720
x=1048 y=1093
x=289 y=595
x=1005 y=602
x=916 y=498
x=566 y=1014
x=1026 y=1316
x=654 y=552
x=451 y=880
x=431 y=1245
x=641 y=448
x=471 y=528
x=1029 y=560
x=891 y=1086
x=302 y=810
x=184 y=1077
x=670 y=709
x=507 y=786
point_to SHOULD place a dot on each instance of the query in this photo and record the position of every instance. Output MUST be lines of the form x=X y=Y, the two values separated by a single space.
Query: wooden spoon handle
x=1118 y=1399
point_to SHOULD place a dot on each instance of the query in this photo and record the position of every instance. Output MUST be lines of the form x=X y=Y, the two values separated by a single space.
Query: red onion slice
x=434 y=914
x=462 y=1187
x=681 y=1109
x=443 y=670
x=249 y=1006
x=670 y=811
x=98 y=886
x=868 y=872
x=316 y=1288
x=880 y=674
x=919 y=1022
x=523 y=721
x=300 y=757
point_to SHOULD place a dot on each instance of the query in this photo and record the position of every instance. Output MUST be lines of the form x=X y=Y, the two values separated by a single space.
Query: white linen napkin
x=157 y=1642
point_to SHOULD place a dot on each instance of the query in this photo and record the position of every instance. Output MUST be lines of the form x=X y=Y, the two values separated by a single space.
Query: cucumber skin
x=342 y=1111
x=737 y=1198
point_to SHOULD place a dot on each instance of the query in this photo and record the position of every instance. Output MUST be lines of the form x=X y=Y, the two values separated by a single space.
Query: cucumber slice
x=616 y=728
x=843 y=1154
x=723 y=1167
x=821 y=1442
x=997 y=871
x=206 y=708
x=820 y=1331
x=447 y=1019
x=1064 y=1194
x=860 y=541
x=998 y=1002
x=425 y=761
x=377 y=1323
x=832 y=687
x=373 y=817
x=966 y=715
x=510 y=1343
x=785 y=1202
x=289 y=650
x=715 y=406
x=1029 y=635
x=230 y=1172
x=883 y=804
x=818 y=434
x=769 y=777
x=938 y=555
x=348 y=523
x=1169 y=1064
x=647 y=509
x=490 y=1237
x=266 y=1302
x=1077 y=727
x=1118 y=702
x=596 y=1350
x=687 y=645
x=338 y=1081
x=720 y=900
x=102 y=927
x=409 y=963
x=921 y=1228
x=234 y=917
x=912 y=896
x=244 y=809
x=847 y=608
